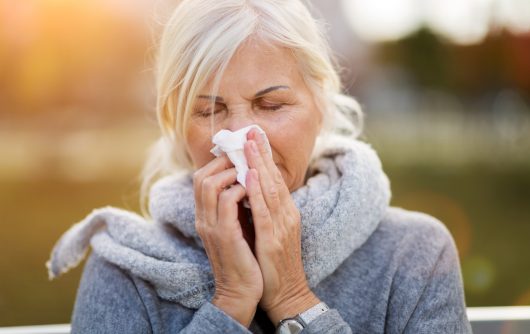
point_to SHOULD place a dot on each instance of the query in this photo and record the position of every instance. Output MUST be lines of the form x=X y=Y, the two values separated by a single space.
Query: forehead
x=257 y=64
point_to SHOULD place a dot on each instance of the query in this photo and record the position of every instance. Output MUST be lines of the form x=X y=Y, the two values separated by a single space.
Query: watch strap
x=307 y=316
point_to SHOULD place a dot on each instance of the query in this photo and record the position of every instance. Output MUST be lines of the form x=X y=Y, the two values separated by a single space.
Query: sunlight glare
x=382 y=20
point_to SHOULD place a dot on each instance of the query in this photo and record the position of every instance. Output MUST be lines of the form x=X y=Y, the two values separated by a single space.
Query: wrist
x=291 y=307
x=239 y=309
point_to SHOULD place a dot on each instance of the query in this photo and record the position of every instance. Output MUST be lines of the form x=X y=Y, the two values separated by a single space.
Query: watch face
x=290 y=326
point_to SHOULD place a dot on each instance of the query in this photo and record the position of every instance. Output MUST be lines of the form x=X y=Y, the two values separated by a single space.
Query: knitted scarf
x=341 y=204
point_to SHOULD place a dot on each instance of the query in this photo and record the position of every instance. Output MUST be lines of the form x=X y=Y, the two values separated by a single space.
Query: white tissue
x=233 y=144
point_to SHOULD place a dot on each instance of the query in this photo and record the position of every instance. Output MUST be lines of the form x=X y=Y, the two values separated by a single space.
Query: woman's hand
x=278 y=237
x=238 y=278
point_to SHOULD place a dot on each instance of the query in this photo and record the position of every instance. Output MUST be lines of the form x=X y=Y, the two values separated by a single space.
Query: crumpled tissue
x=233 y=144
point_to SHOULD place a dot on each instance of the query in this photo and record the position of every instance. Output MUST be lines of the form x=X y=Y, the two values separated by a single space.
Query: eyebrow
x=258 y=94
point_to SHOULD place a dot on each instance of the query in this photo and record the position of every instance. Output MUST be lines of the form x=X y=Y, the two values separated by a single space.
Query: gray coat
x=404 y=279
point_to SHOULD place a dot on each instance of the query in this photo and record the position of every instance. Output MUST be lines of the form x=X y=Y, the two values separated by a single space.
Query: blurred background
x=445 y=86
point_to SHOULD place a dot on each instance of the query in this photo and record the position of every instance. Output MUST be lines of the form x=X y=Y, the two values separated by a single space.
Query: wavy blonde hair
x=196 y=45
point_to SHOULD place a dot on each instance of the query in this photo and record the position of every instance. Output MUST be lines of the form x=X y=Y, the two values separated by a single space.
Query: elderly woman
x=300 y=238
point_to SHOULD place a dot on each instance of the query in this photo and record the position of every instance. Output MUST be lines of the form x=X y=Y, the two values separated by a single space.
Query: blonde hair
x=196 y=45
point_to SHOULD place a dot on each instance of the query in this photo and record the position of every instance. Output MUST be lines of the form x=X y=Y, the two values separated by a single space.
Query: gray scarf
x=341 y=204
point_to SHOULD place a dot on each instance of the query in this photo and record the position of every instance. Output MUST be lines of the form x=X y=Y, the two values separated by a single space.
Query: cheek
x=198 y=144
x=295 y=145
x=298 y=131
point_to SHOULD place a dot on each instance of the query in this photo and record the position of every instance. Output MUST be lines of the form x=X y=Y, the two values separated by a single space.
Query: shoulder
x=100 y=275
x=414 y=232
x=105 y=297
x=426 y=290
x=414 y=225
x=407 y=248
x=411 y=246
x=106 y=281
x=404 y=279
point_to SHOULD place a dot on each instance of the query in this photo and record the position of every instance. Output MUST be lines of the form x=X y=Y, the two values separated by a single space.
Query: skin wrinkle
x=250 y=90
x=291 y=130
x=258 y=94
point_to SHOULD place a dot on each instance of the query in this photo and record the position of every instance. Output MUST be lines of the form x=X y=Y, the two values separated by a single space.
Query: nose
x=239 y=119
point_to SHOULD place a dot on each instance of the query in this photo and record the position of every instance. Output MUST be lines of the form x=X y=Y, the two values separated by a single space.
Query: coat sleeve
x=441 y=307
x=108 y=301
x=426 y=293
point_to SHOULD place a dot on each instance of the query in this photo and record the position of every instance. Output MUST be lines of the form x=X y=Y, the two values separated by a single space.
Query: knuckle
x=292 y=227
x=254 y=189
x=196 y=183
x=225 y=196
x=197 y=176
x=276 y=245
x=273 y=193
x=262 y=147
x=289 y=223
x=277 y=177
x=294 y=219
x=208 y=184
x=262 y=213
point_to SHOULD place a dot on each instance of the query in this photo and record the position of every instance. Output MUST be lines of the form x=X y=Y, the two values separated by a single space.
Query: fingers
x=212 y=186
x=262 y=148
x=269 y=188
x=213 y=167
x=235 y=268
x=260 y=211
x=227 y=206
x=273 y=171
x=274 y=188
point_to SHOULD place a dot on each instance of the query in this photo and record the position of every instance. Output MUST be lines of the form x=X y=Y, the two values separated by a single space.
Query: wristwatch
x=297 y=324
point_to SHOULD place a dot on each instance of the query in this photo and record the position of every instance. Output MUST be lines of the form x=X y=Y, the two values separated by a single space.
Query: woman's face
x=262 y=85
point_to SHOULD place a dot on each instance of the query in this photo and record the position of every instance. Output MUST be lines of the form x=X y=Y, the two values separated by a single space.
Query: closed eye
x=207 y=112
x=272 y=107
x=265 y=105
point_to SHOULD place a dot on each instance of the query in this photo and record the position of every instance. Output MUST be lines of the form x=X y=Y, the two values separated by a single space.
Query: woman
x=319 y=250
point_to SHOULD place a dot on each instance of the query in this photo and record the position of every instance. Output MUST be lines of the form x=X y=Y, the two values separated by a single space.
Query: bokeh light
x=444 y=84
x=383 y=20
x=479 y=274
x=462 y=22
